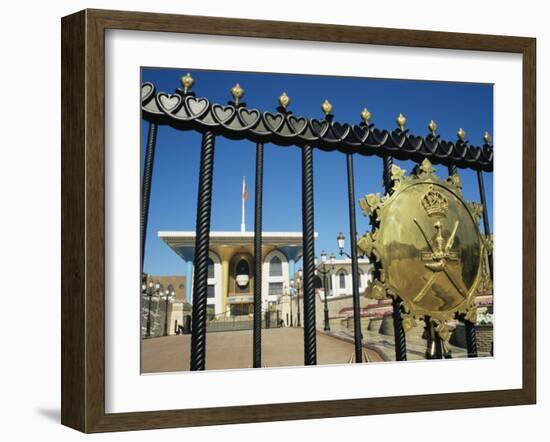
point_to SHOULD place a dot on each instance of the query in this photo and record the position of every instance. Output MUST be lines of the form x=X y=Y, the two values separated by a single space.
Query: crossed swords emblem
x=437 y=259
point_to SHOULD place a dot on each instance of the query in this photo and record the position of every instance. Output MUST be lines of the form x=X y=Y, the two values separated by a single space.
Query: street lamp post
x=298 y=289
x=341 y=244
x=290 y=297
x=149 y=290
x=326 y=272
x=358 y=335
x=169 y=294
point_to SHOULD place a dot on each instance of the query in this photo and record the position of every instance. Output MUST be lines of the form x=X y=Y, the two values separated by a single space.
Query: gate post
x=469 y=327
x=310 y=337
x=471 y=338
x=257 y=333
x=202 y=245
x=399 y=331
x=357 y=335
x=146 y=185
x=486 y=228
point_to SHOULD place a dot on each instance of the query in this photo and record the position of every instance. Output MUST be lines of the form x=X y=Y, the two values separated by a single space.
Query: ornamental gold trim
x=426 y=247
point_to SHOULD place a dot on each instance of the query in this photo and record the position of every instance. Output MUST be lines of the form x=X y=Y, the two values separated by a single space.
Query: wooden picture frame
x=83 y=220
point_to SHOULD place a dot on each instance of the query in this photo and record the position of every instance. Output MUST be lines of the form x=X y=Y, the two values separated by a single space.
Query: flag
x=244 y=198
x=245 y=191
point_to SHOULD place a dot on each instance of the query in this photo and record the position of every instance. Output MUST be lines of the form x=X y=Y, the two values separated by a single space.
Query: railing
x=184 y=111
x=239 y=323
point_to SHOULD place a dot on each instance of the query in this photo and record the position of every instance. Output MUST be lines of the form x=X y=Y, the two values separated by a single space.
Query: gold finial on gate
x=187 y=82
x=365 y=115
x=487 y=137
x=461 y=134
x=401 y=120
x=326 y=107
x=237 y=91
x=284 y=100
x=432 y=126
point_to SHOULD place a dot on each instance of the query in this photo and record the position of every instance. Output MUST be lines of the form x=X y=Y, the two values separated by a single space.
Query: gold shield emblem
x=426 y=246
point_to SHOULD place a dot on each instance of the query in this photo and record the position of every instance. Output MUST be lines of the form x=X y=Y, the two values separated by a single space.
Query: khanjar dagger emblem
x=426 y=247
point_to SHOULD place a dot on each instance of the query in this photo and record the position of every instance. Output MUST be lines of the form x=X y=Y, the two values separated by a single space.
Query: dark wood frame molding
x=83 y=215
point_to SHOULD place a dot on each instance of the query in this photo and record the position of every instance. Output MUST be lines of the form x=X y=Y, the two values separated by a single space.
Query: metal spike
x=187 y=82
x=432 y=126
x=326 y=107
x=401 y=121
x=365 y=115
x=237 y=91
x=284 y=100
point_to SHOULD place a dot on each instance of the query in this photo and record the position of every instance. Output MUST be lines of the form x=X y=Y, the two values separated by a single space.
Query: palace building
x=231 y=267
x=340 y=281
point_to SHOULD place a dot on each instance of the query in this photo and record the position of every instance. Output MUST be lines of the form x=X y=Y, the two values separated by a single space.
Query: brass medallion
x=426 y=246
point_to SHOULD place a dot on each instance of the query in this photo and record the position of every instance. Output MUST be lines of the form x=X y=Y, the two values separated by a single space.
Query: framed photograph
x=266 y=221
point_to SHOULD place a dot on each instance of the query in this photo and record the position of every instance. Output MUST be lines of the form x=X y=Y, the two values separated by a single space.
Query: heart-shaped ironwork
x=398 y=138
x=168 y=103
x=147 y=89
x=273 y=121
x=488 y=155
x=298 y=124
x=319 y=127
x=464 y=149
x=196 y=106
x=248 y=117
x=475 y=154
x=377 y=138
x=340 y=131
x=413 y=144
x=223 y=113
x=360 y=132
x=431 y=145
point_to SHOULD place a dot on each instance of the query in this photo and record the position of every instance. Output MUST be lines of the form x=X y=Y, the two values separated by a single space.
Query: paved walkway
x=416 y=346
x=280 y=347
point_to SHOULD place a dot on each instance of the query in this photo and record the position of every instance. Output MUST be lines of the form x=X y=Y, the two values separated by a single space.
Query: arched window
x=242 y=268
x=361 y=278
x=317 y=282
x=275 y=267
x=211 y=269
x=342 y=280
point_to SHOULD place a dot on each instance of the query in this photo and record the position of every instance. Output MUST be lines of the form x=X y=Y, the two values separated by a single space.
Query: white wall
x=364 y=276
x=217 y=282
x=266 y=279
x=30 y=78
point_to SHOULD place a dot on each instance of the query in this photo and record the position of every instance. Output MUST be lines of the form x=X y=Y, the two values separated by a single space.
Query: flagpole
x=242 y=206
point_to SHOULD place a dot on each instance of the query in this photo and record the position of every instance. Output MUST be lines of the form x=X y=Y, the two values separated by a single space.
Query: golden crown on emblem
x=435 y=204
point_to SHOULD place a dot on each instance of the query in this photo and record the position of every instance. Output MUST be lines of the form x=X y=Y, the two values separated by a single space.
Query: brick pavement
x=224 y=350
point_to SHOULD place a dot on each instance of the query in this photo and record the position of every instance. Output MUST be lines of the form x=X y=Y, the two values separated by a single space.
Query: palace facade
x=231 y=267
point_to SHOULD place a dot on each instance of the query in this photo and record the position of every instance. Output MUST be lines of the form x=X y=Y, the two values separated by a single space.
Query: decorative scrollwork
x=185 y=111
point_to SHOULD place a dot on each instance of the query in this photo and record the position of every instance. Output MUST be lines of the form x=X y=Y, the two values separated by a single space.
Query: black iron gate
x=184 y=111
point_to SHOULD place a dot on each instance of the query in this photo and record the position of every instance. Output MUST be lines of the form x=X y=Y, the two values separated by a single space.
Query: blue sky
x=175 y=175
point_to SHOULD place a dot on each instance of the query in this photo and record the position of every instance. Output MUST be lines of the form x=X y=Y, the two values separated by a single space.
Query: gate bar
x=486 y=228
x=441 y=348
x=146 y=185
x=470 y=327
x=399 y=332
x=428 y=332
x=257 y=334
x=471 y=339
x=202 y=245
x=308 y=287
x=354 y=263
